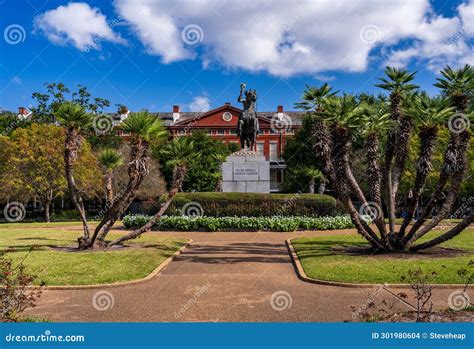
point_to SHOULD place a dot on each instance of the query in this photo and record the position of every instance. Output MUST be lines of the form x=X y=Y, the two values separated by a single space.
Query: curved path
x=220 y=277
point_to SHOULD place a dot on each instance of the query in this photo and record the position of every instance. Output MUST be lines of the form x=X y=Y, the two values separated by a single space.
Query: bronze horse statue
x=247 y=127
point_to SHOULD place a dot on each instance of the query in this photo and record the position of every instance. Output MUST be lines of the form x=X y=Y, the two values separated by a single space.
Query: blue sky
x=138 y=53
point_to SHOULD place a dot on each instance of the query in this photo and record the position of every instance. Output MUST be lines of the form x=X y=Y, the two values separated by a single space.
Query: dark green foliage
x=256 y=204
x=105 y=141
x=298 y=151
x=203 y=171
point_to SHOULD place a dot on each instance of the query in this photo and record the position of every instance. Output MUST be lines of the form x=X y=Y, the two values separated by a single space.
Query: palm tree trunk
x=423 y=167
x=446 y=236
x=137 y=168
x=449 y=166
x=341 y=151
x=70 y=154
x=179 y=174
x=395 y=112
x=401 y=151
x=109 y=187
x=456 y=181
x=374 y=181
x=322 y=148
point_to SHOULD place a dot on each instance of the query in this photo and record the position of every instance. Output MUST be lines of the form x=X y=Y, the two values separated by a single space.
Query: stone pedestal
x=246 y=172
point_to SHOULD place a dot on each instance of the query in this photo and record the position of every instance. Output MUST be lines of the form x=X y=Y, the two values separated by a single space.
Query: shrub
x=255 y=204
x=275 y=223
x=16 y=296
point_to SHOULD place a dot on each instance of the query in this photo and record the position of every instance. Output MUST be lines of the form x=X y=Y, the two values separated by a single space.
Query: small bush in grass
x=16 y=296
x=275 y=223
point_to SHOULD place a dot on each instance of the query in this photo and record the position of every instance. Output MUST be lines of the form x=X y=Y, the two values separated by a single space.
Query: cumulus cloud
x=283 y=39
x=200 y=104
x=305 y=36
x=440 y=41
x=78 y=24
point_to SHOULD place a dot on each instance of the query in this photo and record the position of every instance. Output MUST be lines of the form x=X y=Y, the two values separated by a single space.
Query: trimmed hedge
x=253 y=204
x=276 y=223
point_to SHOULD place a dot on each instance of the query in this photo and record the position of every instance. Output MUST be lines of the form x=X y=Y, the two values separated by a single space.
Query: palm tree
x=343 y=118
x=376 y=122
x=181 y=151
x=75 y=120
x=311 y=101
x=457 y=85
x=398 y=83
x=110 y=159
x=144 y=129
x=430 y=113
x=342 y=114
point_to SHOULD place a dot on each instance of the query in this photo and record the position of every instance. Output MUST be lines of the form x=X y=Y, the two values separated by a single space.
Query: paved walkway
x=220 y=277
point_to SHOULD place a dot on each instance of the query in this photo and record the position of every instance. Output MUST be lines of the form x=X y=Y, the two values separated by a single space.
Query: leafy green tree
x=299 y=150
x=204 y=171
x=34 y=166
x=47 y=104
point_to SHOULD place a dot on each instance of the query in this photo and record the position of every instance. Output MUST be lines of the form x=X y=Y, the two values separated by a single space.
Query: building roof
x=296 y=117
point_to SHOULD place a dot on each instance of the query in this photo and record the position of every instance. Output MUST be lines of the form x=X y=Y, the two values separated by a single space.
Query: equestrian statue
x=247 y=127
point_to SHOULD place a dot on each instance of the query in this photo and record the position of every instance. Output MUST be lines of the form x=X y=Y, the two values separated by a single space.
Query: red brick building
x=221 y=124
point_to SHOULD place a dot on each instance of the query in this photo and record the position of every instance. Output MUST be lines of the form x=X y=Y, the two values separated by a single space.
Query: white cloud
x=283 y=39
x=275 y=36
x=438 y=41
x=200 y=104
x=466 y=12
x=78 y=24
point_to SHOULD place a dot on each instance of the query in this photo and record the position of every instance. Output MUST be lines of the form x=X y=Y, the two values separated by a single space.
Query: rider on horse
x=247 y=127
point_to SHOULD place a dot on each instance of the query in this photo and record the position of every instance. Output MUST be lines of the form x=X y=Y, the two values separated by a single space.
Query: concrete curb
x=302 y=276
x=154 y=273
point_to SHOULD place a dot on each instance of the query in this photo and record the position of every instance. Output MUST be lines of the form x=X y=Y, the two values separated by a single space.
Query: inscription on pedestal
x=246 y=171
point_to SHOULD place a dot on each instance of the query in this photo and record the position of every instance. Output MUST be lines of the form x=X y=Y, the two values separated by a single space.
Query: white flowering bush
x=274 y=223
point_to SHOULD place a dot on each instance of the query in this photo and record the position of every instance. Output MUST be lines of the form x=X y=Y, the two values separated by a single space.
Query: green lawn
x=82 y=268
x=319 y=260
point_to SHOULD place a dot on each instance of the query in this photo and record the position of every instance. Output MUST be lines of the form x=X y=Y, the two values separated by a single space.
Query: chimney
x=21 y=110
x=176 y=112
x=227 y=103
